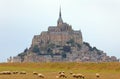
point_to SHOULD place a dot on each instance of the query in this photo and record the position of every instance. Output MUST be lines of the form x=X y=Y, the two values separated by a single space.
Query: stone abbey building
x=58 y=35
x=61 y=43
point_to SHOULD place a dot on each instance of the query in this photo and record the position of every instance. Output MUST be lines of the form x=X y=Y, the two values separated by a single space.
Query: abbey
x=61 y=43
x=58 y=35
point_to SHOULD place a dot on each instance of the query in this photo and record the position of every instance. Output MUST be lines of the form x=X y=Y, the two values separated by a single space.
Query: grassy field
x=50 y=70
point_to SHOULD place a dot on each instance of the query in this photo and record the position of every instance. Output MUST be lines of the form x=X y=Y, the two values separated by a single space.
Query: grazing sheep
x=35 y=73
x=61 y=72
x=22 y=72
x=41 y=75
x=5 y=73
x=71 y=73
x=97 y=75
x=83 y=76
x=78 y=76
x=74 y=75
x=15 y=72
x=62 y=75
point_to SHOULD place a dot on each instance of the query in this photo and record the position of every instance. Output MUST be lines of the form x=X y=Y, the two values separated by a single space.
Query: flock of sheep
x=11 y=72
x=80 y=76
x=61 y=74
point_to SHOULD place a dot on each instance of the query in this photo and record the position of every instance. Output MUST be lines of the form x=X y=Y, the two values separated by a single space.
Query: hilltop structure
x=61 y=43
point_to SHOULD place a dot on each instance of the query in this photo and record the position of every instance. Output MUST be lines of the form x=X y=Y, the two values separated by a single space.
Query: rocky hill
x=61 y=43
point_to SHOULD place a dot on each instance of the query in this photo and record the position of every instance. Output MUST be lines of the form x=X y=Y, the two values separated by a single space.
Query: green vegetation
x=71 y=41
x=64 y=55
x=36 y=49
x=87 y=44
x=66 y=48
x=78 y=45
x=51 y=45
x=91 y=48
x=26 y=50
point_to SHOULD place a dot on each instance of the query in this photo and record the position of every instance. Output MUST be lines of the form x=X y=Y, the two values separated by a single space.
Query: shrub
x=66 y=48
x=64 y=55
x=36 y=49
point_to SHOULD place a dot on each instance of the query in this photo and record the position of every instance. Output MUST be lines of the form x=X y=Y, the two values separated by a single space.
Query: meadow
x=109 y=70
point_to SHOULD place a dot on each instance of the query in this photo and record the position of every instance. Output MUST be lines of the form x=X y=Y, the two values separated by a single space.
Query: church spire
x=60 y=12
x=60 y=21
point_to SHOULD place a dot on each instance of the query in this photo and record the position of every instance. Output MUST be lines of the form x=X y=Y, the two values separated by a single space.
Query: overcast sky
x=20 y=20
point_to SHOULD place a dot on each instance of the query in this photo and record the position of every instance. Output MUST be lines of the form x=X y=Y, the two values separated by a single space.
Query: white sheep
x=61 y=72
x=41 y=75
x=15 y=72
x=23 y=72
x=6 y=72
x=35 y=73
x=71 y=73
x=78 y=76
x=97 y=75
x=62 y=75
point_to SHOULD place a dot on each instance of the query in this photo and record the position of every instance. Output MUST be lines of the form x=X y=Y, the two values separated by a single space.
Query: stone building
x=58 y=35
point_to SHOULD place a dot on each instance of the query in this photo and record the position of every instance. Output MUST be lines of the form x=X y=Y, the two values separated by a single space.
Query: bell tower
x=60 y=21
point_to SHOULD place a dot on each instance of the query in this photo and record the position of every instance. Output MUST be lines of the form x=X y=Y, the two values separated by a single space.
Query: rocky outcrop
x=71 y=52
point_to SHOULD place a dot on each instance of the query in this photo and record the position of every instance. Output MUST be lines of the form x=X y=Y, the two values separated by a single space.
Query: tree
x=66 y=48
x=21 y=55
x=79 y=46
x=71 y=41
x=51 y=45
x=94 y=48
x=26 y=50
x=49 y=50
x=87 y=44
x=64 y=55
x=36 y=49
